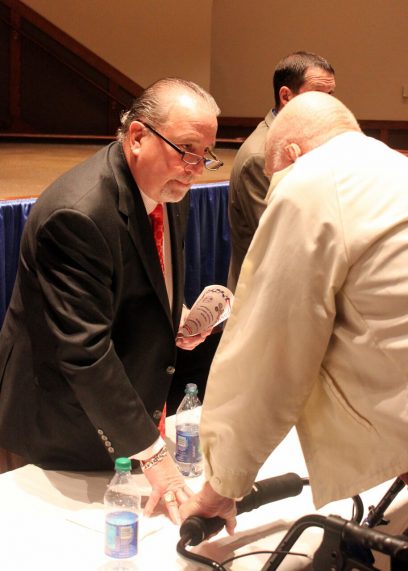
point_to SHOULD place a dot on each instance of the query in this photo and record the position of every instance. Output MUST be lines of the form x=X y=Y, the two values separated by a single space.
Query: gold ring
x=169 y=497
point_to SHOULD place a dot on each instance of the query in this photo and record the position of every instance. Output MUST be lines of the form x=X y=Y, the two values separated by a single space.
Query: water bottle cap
x=123 y=465
x=191 y=388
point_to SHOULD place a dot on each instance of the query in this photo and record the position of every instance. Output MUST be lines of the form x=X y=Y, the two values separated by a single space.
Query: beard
x=174 y=191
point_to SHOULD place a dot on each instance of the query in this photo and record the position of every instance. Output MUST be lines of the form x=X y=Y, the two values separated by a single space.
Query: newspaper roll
x=211 y=308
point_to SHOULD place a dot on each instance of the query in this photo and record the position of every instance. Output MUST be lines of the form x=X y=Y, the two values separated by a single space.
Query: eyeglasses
x=211 y=162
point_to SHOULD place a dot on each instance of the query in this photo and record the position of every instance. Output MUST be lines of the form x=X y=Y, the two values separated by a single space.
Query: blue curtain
x=207 y=244
x=13 y=215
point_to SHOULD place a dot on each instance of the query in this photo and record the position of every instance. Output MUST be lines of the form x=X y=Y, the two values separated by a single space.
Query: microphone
x=196 y=529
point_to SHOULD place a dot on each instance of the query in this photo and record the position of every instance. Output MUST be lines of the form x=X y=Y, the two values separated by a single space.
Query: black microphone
x=196 y=529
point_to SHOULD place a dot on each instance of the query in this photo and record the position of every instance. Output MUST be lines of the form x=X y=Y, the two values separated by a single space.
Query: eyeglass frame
x=184 y=153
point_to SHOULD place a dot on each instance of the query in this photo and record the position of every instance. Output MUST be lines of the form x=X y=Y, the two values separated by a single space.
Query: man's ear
x=285 y=95
x=136 y=133
x=293 y=152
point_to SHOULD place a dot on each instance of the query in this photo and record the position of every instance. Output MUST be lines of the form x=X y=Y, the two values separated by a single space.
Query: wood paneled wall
x=51 y=84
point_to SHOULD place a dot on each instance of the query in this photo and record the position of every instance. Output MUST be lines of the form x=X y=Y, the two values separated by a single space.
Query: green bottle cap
x=123 y=465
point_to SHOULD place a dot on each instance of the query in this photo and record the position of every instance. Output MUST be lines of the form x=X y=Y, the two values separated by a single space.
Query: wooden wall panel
x=4 y=66
x=51 y=85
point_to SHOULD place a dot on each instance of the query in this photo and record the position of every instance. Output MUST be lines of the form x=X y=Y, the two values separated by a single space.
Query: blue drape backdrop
x=207 y=240
x=13 y=215
x=207 y=243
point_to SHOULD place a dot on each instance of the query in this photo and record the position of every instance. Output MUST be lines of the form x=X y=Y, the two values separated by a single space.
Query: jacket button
x=157 y=414
x=111 y=450
x=107 y=444
x=170 y=370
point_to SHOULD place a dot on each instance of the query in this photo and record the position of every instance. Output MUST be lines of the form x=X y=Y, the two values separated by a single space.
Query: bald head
x=306 y=122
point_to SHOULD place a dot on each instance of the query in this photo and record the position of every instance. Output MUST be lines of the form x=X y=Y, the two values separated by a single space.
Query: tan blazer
x=318 y=336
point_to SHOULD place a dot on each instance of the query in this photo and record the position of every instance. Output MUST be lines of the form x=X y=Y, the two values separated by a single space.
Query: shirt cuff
x=151 y=451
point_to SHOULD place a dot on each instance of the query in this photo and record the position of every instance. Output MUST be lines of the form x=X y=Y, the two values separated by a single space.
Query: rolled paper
x=211 y=308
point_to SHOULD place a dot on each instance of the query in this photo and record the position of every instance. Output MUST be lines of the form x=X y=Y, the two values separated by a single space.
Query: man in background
x=88 y=345
x=318 y=335
x=294 y=74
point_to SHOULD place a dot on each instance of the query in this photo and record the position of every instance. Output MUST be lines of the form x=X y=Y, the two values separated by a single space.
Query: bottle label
x=121 y=531
x=188 y=448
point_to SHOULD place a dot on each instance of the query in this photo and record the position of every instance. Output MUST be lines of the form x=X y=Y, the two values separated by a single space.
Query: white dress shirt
x=150 y=205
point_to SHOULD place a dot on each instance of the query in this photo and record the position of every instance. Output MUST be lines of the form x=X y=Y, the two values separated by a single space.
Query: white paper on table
x=212 y=307
x=94 y=519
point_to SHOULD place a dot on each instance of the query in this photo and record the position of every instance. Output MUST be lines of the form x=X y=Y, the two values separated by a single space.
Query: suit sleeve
x=75 y=272
x=247 y=193
x=256 y=184
x=252 y=188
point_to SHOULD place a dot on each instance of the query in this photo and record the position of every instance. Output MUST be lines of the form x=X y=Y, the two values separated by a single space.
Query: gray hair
x=308 y=120
x=153 y=107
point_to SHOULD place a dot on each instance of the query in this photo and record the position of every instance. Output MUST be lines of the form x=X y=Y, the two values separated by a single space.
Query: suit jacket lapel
x=177 y=216
x=132 y=207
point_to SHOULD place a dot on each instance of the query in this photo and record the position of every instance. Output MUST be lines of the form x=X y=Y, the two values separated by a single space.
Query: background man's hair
x=291 y=70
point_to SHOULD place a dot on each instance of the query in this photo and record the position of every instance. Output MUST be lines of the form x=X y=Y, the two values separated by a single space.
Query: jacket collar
x=132 y=208
x=270 y=117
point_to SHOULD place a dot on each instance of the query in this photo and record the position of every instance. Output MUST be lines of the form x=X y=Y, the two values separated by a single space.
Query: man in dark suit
x=88 y=346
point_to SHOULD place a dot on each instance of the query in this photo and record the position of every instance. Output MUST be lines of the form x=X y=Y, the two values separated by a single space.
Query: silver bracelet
x=146 y=465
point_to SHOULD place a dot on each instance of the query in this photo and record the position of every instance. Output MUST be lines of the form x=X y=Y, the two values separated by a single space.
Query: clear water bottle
x=122 y=510
x=188 y=449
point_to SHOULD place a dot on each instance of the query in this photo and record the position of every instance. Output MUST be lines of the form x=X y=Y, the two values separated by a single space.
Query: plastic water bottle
x=122 y=509
x=188 y=449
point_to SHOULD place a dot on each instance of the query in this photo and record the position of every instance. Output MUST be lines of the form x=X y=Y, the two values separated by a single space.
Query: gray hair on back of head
x=309 y=120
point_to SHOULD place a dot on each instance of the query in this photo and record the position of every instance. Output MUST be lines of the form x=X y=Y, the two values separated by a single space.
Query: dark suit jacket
x=246 y=196
x=87 y=349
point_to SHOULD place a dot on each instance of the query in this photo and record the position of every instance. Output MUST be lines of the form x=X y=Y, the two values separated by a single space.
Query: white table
x=53 y=520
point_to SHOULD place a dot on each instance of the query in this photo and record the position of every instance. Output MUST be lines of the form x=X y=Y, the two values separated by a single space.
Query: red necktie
x=156 y=217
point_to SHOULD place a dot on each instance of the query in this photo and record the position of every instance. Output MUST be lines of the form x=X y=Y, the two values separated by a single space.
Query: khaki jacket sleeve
x=272 y=348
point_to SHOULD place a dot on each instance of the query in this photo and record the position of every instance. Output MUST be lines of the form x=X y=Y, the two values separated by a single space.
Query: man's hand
x=208 y=503
x=167 y=485
x=189 y=343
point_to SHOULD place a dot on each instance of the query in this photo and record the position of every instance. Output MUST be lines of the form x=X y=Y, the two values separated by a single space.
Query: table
x=54 y=520
x=207 y=243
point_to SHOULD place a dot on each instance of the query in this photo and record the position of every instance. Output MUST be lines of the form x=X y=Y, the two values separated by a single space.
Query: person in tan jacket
x=318 y=335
